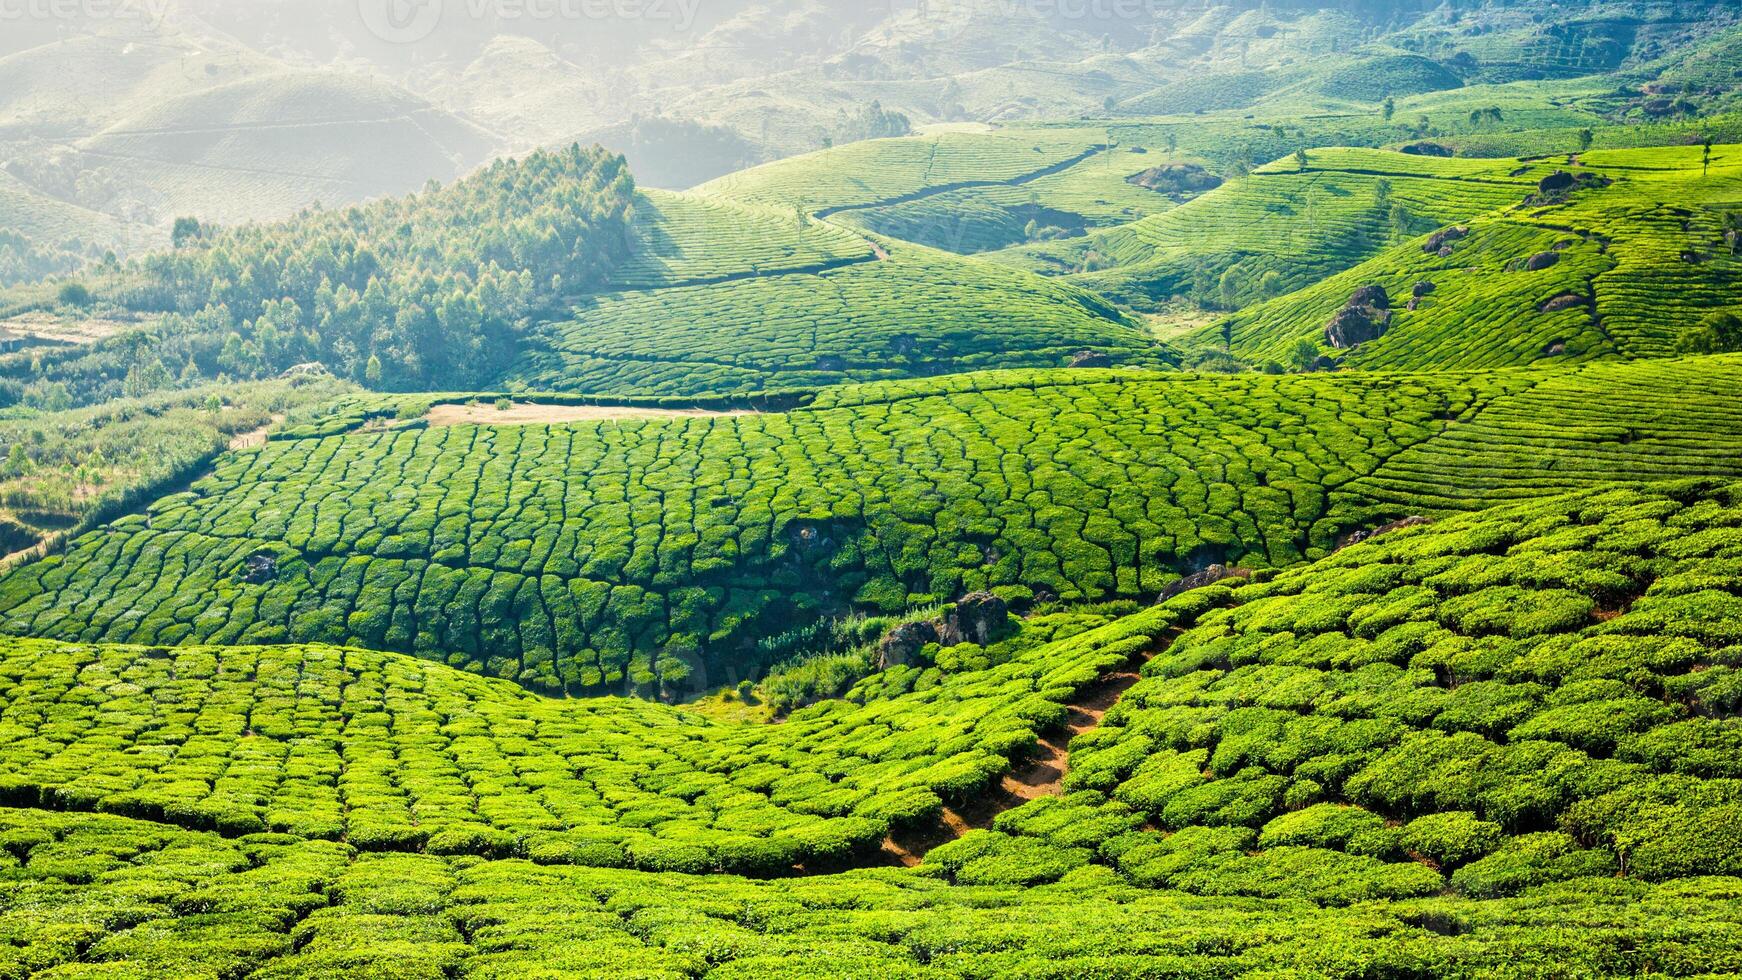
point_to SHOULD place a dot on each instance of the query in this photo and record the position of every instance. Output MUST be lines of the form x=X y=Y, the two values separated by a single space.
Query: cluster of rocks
x=1369 y=534
x=1565 y=301
x=1365 y=317
x=1198 y=580
x=1176 y=178
x=1421 y=291
x=1560 y=185
x=260 y=568
x=1535 y=263
x=1440 y=242
x=1427 y=149
x=1091 y=359
x=979 y=617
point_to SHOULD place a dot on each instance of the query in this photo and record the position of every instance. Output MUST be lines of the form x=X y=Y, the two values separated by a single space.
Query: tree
x=1706 y=157
x=1230 y=285
x=1270 y=285
x=1388 y=109
x=1306 y=354
x=1718 y=333
x=1586 y=138
x=1401 y=220
x=1300 y=160
x=74 y=294
x=186 y=230
x=372 y=370
x=17 y=460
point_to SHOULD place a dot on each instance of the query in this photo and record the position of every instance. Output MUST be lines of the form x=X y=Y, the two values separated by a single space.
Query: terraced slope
x=1537 y=693
x=124 y=898
x=1096 y=193
x=565 y=557
x=601 y=554
x=1303 y=225
x=1501 y=746
x=393 y=754
x=689 y=239
x=883 y=172
x=1629 y=269
x=902 y=311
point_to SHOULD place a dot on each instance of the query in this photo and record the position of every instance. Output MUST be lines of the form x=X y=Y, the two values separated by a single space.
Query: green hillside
x=1629 y=266
x=1302 y=224
x=652 y=553
x=1246 y=490
x=1541 y=693
x=903 y=311
x=313 y=741
x=1502 y=737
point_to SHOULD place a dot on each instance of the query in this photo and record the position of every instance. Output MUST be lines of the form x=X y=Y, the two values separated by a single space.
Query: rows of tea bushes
x=1540 y=692
x=685 y=238
x=1631 y=268
x=1478 y=309
x=1613 y=422
x=1302 y=224
x=94 y=896
x=390 y=753
x=919 y=313
x=609 y=554
x=1093 y=194
x=884 y=171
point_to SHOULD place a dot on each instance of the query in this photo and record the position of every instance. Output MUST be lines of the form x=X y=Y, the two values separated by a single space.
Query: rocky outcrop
x=1091 y=359
x=1369 y=534
x=1427 y=149
x=1556 y=182
x=978 y=617
x=260 y=569
x=1176 y=178
x=1198 y=580
x=1440 y=242
x=1538 y=262
x=1564 y=301
x=902 y=645
x=1366 y=317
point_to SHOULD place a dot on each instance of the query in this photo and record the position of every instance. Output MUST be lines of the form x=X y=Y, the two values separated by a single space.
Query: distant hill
x=269 y=145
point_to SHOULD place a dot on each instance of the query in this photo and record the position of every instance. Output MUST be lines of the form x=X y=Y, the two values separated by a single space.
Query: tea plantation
x=1627 y=269
x=100 y=896
x=1498 y=746
x=391 y=754
x=637 y=553
x=1543 y=692
x=910 y=312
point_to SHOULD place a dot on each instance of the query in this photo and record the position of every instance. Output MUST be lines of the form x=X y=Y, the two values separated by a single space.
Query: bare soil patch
x=45 y=326
x=254 y=438
x=528 y=413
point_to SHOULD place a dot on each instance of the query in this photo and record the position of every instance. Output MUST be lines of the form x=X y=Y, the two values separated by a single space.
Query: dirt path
x=254 y=438
x=1041 y=774
x=528 y=413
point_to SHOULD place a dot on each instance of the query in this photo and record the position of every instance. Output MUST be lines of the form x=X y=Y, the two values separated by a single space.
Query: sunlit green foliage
x=1539 y=692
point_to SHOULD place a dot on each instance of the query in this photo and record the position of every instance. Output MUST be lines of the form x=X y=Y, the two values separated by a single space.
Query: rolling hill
x=1628 y=264
x=650 y=553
